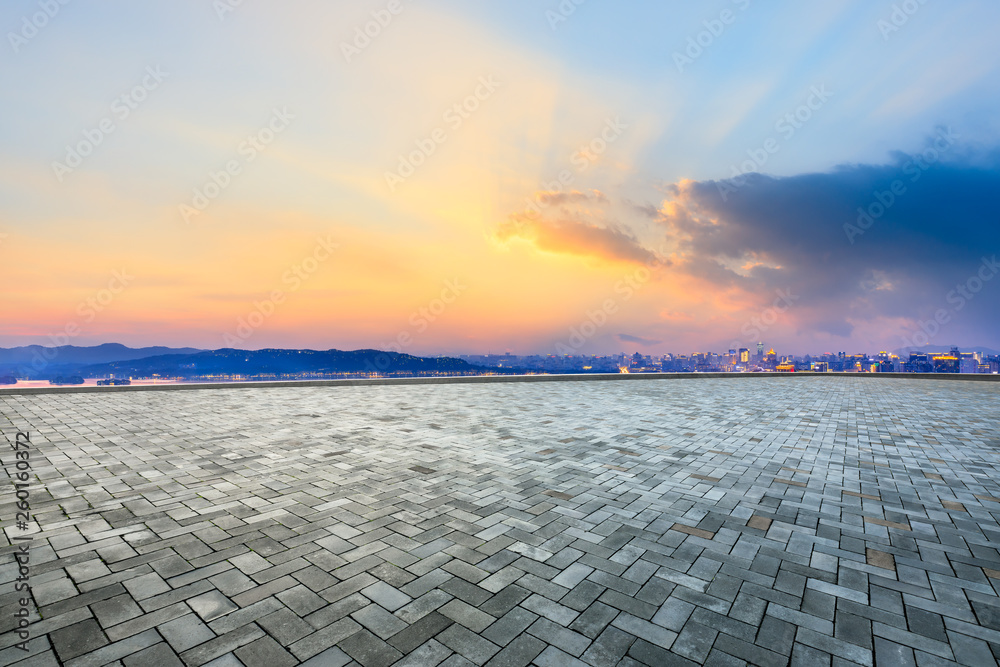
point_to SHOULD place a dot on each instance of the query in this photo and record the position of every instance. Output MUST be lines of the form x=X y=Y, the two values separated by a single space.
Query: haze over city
x=457 y=178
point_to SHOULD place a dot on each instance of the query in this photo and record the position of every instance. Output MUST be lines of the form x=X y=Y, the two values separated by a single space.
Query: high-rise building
x=968 y=362
x=946 y=363
x=919 y=362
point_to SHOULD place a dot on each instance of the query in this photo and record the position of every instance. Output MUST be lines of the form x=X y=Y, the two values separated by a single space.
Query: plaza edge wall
x=473 y=379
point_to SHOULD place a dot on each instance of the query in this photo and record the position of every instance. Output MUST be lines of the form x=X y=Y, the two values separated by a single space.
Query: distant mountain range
x=98 y=354
x=36 y=362
x=41 y=362
x=280 y=362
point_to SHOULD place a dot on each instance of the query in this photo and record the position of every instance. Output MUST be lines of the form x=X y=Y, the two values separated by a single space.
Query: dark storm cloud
x=858 y=242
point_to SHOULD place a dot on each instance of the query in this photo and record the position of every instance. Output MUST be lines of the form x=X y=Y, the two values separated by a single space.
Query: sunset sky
x=171 y=169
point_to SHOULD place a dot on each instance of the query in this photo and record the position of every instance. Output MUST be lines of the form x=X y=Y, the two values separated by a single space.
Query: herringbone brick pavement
x=813 y=521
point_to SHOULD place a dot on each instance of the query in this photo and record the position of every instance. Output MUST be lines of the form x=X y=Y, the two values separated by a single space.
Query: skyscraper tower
x=760 y=351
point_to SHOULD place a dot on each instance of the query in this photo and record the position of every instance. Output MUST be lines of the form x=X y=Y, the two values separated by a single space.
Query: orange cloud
x=573 y=237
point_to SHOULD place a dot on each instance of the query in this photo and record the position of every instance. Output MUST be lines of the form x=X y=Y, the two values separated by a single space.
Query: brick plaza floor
x=808 y=521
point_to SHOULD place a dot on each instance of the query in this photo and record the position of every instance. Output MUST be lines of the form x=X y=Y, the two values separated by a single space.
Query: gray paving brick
x=386 y=596
x=969 y=650
x=673 y=614
x=552 y=633
x=324 y=638
x=470 y=573
x=211 y=605
x=509 y=626
x=423 y=605
x=78 y=639
x=222 y=645
x=594 y=619
x=572 y=575
x=301 y=600
x=505 y=600
x=265 y=652
x=471 y=646
x=147 y=621
x=426 y=582
x=429 y=654
x=185 y=632
x=313 y=577
x=241 y=617
x=467 y=615
x=629 y=604
x=39 y=654
x=465 y=591
x=608 y=648
x=285 y=626
x=550 y=610
x=50 y=592
x=518 y=653
x=751 y=653
x=725 y=624
x=174 y=596
x=913 y=640
x=116 y=610
x=807 y=656
x=200 y=573
x=799 y=618
x=582 y=595
x=231 y=582
x=258 y=593
x=655 y=591
x=891 y=653
x=500 y=579
x=856 y=629
x=87 y=570
x=378 y=621
x=338 y=610
x=113 y=653
x=159 y=654
x=553 y=657
x=834 y=646
x=695 y=641
x=652 y=633
x=369 y=650
x=416 y=634
x=776 y=635
x=642 y=652
x=332 y=657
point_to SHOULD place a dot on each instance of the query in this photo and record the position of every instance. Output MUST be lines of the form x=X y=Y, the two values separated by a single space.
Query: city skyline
x=441 y=178
x=113 y=363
